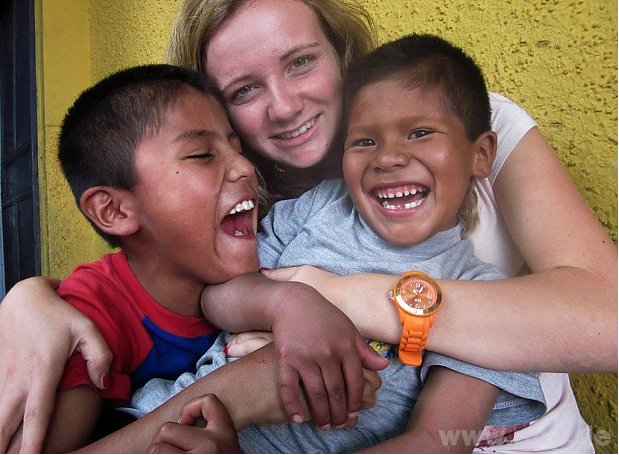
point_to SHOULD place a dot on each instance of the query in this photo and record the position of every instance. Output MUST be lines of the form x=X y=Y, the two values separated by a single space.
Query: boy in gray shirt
x=417 y=132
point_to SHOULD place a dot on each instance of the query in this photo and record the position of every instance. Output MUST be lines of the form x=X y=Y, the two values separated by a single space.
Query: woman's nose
x=285 y=101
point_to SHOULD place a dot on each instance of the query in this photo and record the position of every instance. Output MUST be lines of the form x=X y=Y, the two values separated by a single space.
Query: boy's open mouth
x=239 y=222
x=402 y=197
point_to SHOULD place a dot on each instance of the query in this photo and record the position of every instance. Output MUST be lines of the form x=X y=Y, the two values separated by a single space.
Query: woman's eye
x=419 y=133
x=242 y=93
x=302 y=61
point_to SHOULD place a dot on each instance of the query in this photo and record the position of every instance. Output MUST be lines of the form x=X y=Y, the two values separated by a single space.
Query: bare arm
x=247 y=387
x=528 y=323
x=74 y=418
x=38 y=332
x=330 y=370
x=448 y=417
x=205 y=426
x=532 y=322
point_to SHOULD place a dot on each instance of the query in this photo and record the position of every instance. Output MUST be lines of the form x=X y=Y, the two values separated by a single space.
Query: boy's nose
x=389 y=157
x=240 y=167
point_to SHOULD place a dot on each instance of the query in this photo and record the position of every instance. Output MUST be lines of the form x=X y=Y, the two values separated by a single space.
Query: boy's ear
x=111 y=209
x=485 y=150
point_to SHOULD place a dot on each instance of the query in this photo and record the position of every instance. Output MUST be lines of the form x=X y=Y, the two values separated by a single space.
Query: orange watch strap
x=415 y=332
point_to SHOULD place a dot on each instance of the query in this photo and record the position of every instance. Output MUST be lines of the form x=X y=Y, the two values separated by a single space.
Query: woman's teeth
x=299 y=131
x=242 y=206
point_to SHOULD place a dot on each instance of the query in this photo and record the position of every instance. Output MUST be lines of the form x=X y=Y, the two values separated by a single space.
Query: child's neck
x=178 y=295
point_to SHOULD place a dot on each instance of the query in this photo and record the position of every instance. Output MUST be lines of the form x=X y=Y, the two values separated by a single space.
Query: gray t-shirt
x=323 y=229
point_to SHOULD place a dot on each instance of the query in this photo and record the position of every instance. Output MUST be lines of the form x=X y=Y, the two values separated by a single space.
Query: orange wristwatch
x=417 y=297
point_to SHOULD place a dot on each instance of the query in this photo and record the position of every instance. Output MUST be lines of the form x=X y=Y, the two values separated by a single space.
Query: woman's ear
x=111 y=209
x=485 y=150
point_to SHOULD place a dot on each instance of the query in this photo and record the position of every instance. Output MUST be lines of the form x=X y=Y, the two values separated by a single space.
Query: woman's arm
x=38 y=332
x=550 y=320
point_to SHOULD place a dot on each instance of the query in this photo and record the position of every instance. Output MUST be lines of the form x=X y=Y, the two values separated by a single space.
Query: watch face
x=417 y=295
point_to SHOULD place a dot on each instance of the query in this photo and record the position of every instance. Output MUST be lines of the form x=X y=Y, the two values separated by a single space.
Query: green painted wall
x=557 y=58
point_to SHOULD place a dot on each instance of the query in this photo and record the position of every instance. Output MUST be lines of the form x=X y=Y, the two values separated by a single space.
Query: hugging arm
x=248 y=402
x=315 y=343
x=38 y=333
x=527 y=323
x=246 y=387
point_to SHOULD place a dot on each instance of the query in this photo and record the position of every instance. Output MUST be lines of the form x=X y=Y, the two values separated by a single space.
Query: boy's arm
x=448 y=417
x=247 y=387
x=315 y=342
x=363 y=298
x=74 y=418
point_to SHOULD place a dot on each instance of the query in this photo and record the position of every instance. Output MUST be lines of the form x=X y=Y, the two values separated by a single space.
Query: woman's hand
x=38 y=333
x=241 y=344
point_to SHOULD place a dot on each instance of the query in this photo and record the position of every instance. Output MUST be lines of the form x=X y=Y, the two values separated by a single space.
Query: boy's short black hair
x=427 y=61
x=101 y=131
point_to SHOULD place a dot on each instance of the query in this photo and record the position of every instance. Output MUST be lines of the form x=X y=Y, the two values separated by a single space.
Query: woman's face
x=281 y=80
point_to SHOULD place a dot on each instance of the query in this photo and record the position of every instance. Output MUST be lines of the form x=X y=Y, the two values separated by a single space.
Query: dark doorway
x=19 y=232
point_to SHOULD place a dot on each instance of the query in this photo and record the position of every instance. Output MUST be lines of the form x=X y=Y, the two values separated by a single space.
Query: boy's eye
x=364 y=143
x=201 y=156
x=419 y=133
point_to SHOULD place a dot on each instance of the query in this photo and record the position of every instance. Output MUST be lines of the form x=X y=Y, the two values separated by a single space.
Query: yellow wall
x=557 y=58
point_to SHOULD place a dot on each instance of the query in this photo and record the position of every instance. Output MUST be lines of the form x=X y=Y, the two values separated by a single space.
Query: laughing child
x=417 y=135
x=156 y=168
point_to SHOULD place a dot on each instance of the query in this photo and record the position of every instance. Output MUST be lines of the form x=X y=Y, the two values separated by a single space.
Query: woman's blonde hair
x=347 y=25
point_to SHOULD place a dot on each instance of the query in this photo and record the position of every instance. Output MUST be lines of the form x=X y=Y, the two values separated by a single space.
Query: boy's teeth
x=238 y=234
x=397 y=194
x=242 y=206
x=408 y=205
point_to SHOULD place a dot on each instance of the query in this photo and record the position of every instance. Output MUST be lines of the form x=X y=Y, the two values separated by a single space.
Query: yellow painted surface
x=557 y=58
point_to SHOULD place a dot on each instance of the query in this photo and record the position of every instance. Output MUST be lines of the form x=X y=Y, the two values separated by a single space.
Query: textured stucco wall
x=557 y=58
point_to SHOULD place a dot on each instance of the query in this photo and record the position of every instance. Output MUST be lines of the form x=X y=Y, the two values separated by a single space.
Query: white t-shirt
x=562 y=429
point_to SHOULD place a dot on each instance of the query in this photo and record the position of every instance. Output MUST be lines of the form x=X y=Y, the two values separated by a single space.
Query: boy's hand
x=318 y=346
x=204 y=426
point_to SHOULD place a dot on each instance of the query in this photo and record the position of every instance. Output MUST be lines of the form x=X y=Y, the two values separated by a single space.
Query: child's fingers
x=191 y=412
x=176 y=438
x=172 y=434
x=162 y=447
x=209 y=409
x=372 y=378
x=337 y=390
x=290 y=393
x=355 y=383
x=369 y=357
x=370 y=386
x=216 y=414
